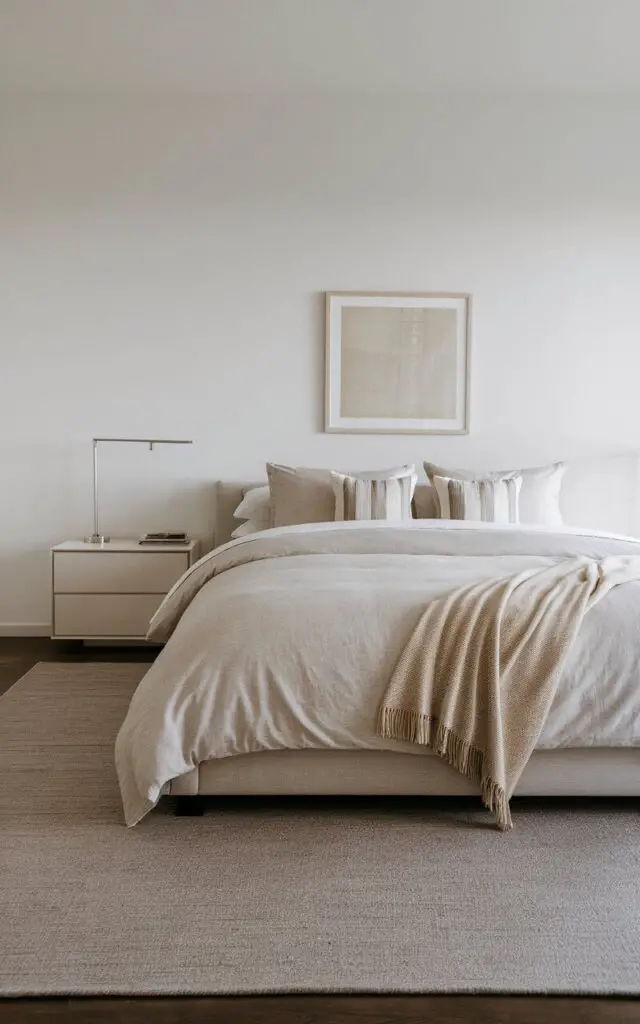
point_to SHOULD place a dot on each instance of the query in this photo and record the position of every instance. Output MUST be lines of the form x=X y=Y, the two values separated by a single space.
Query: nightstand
x=110 y=591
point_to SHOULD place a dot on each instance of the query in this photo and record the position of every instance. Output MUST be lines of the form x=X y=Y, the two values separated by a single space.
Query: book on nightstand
x=166 y=537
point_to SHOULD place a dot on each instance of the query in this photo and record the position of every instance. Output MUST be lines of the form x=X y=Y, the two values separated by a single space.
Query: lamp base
x=98 y=538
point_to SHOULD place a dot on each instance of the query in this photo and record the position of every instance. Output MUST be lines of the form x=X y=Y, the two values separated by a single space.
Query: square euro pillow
x=486 y=499
x=301 y=495
x=539 y=498
x=380 y=497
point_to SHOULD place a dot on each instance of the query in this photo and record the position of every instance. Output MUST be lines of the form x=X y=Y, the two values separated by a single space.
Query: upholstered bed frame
x=585 y=771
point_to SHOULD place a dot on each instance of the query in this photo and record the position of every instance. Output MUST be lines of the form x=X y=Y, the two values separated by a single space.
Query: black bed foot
x=189 y=806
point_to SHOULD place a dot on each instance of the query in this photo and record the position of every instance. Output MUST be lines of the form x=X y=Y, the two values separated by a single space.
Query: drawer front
x=117 y=572
x=96 y=615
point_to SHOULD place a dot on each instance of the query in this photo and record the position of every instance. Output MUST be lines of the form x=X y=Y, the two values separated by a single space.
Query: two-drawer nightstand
x=110 y=591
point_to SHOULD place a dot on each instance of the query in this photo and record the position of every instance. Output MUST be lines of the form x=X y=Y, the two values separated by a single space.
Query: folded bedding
x=289 y=638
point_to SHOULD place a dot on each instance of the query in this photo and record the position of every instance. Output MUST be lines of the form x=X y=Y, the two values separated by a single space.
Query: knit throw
x=477 y=677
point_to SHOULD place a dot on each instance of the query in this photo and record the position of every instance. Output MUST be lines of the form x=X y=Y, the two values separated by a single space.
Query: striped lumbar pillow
x=387 y=496
x=487 y=499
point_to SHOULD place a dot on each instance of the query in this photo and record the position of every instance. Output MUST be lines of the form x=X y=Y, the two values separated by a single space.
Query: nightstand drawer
x=117 y=572
x=107 y=615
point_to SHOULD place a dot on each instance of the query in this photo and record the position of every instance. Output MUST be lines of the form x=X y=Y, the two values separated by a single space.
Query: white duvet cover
x=287 y=640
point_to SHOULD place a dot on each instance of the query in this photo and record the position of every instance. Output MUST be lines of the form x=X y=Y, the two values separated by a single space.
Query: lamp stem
x=95 y=488
x=96 y=537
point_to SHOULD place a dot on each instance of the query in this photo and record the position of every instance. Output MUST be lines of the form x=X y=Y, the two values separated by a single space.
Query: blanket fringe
x=400 y=724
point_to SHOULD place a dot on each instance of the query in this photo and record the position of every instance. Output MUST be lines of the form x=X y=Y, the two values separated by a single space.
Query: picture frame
x=398 y=362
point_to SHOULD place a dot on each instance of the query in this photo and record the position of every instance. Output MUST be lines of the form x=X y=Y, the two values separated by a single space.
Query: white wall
x=202 y=234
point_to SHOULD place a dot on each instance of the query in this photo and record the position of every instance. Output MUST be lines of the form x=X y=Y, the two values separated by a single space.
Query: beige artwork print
x=398 y=363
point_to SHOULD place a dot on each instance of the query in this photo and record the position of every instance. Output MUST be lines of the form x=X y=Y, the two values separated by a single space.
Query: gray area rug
x=370 y=896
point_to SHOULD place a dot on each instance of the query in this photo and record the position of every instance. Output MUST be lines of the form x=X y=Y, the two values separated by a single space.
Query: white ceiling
x=320 y=46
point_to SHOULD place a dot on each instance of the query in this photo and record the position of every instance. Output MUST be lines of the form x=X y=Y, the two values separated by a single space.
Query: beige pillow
x=486 y=499
x=425 y=502
x=380 y=497
x=301 y=495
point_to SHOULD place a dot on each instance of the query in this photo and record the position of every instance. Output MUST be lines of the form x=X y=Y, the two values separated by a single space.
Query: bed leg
x=189 y=806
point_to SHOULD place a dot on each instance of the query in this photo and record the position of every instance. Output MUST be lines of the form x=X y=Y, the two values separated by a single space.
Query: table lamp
x=96 y=536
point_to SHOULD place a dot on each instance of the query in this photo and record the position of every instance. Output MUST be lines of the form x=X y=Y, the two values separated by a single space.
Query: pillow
x=379 y=497
x=539 y=500
x=300 y=495
x=425 y=502
x=256 y=504
x=487 y=499
x=244 y=530
x=255 y=508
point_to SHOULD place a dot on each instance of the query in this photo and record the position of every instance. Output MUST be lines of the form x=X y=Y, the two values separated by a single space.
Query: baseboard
x=25 y=629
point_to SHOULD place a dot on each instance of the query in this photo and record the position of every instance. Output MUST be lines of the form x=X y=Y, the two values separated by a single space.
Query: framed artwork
x=397 y=364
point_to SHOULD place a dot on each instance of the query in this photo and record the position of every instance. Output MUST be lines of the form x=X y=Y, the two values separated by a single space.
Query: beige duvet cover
x=288 y=639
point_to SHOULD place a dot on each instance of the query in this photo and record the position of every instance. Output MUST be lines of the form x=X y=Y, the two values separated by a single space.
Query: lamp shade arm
x=140 y=440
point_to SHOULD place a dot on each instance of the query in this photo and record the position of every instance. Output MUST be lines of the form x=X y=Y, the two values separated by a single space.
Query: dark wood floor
x=17 y=656
x=324 y=1010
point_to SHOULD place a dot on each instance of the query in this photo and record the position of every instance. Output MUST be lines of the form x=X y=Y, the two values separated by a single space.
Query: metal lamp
x=96 y=536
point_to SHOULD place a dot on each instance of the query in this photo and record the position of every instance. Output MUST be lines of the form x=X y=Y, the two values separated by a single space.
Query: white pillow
x=255 y=508
x=381 y=497
x=256 y=503
x=486 y=499
x=244 y=530
x=539 y=499
x=301 y=495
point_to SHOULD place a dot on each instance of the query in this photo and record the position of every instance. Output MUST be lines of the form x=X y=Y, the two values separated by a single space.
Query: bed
x=271 y=764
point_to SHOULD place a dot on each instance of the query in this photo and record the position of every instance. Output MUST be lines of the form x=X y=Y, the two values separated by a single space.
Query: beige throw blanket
x=479 y=673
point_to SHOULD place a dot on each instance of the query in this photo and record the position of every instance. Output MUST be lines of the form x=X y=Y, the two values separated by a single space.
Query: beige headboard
x=228 y=497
